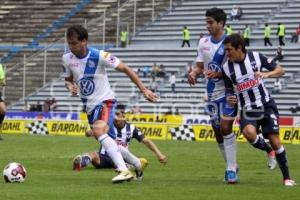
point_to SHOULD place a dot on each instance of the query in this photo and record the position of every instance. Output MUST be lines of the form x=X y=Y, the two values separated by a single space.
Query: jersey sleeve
x=200 y=57
x=137 y=134
x=109 y=60
x=66 y=70
x=267 y=63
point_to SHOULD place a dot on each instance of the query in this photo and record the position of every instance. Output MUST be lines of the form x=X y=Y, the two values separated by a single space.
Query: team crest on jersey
x=91 y=64
x=87 y=86
x=221 y=51
x=213 y=66
x=254 y=66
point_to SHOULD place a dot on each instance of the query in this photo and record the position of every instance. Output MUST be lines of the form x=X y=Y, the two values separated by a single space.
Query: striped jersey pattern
x=239 y=77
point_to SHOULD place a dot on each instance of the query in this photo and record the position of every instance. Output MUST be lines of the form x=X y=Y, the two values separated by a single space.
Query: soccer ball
x=14 y=173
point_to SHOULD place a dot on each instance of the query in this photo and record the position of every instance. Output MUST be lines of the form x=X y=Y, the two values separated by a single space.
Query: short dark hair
x=217 y=14
x=120 y=107
x=77 y=31
x=236 y=41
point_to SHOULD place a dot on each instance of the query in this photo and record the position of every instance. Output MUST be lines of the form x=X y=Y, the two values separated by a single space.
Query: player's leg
x=271 y=126
x=101 y=117
x=84 y=160
x=227 y=118
x=136 y=165
x=2 y=113
x=213 y=111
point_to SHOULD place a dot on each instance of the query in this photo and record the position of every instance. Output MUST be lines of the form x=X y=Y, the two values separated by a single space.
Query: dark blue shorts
x=264 y=117
x=105 y=162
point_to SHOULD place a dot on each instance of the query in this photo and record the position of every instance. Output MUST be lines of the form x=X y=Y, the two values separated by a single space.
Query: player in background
x=125 y=132
x=243 y=78
x=209 y=62
x=85 y=75
x=2 y=104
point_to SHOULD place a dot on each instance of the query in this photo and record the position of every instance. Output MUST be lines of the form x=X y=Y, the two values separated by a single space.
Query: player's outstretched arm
x=148 y=94
x=276 y=73
x=161 y=157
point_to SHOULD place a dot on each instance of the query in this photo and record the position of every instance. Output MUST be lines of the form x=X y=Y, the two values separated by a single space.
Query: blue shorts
x=218 y=108
x=105 y=112
x=264 y=117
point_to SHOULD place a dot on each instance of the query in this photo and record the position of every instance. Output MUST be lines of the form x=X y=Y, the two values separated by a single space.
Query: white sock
x=130 y=158
x=222 y=150
x=113 y=151
x=230 y=151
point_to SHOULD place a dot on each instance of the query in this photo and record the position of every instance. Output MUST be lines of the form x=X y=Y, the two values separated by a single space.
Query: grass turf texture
x=195 y=171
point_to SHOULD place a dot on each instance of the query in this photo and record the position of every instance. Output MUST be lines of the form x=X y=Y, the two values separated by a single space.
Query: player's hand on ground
x=192 y=78
x=231 y=100
x=163 y=159
x=150 y=96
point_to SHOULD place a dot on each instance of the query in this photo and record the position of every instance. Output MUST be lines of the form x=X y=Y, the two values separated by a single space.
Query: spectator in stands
x=162 y=71
x=296 y=108
x=124 y=38
x=228 y=30
x=2 y=104
x=296 y=35
x=172 y=81
x=185 y=37
x=145 y=71
x=279 y=55
x=281 y=34
x=39 y=107
x=239 y=13
x=267 y=35
x=53 y=104
x=246 y=35
x=234 y=13
x=46 y=105
x=153 y=84
x=154 y=70
x=277 y=86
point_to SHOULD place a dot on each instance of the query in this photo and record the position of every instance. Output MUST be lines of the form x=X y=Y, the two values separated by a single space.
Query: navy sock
x=283 y=164
x=262 y=145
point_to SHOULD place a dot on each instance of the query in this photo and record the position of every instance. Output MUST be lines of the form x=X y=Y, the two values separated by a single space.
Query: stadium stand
x=149 y=46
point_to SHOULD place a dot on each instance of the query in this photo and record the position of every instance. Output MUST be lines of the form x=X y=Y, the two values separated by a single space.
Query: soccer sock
x=282 y=162
x=222 y=150
x=130 y=158
x=85 y=160
x=260 y=143
x=230 y=151
x=113 y=151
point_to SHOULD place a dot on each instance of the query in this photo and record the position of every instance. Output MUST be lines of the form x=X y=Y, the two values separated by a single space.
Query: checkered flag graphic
x=184 y=132
x=38 y=128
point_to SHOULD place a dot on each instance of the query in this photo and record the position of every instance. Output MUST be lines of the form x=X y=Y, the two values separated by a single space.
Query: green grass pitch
x=195 y=171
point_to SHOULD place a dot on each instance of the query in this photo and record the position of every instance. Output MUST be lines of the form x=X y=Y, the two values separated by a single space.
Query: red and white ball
x=14 y=173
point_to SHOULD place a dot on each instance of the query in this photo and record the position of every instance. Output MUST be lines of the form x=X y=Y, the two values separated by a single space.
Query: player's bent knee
x=99 y=128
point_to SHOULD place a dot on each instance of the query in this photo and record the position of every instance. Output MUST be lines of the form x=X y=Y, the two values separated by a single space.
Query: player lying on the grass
x=243 y=77
x=125 y=132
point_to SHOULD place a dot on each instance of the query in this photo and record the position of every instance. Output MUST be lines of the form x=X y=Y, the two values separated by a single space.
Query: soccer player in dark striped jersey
x=243 y=77
x=124 y=133
x=209 y=62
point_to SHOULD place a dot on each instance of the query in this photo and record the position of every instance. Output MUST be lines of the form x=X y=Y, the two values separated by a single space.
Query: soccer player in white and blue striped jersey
x=211 y=56
x=85 y=74
x=243 y=76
